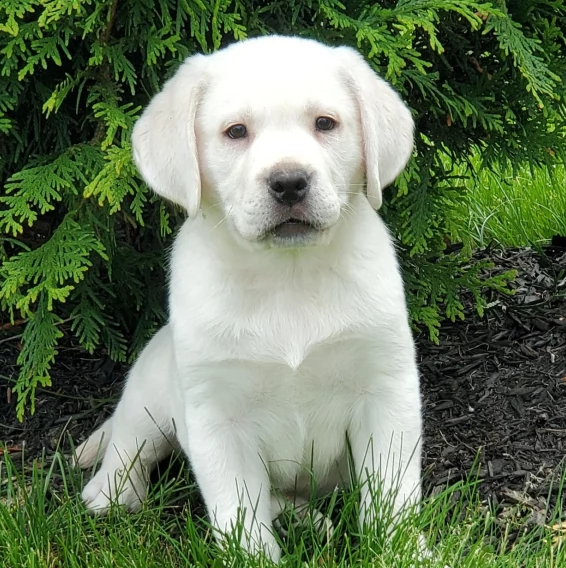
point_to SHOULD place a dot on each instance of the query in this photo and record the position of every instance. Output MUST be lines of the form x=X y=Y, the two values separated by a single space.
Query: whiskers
x=222 y=220
x=347 y=211
x=359 y=187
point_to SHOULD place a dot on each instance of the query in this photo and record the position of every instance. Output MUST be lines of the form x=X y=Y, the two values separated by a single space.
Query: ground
x=494 y=392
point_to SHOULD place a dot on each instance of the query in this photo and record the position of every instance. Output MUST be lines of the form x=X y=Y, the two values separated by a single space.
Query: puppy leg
x=385 y=440
x=233 y=480
x=94 y=447
x=139 y=434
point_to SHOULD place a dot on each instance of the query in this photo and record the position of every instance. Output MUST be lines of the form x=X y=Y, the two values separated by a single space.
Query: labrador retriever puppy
x=288 y=355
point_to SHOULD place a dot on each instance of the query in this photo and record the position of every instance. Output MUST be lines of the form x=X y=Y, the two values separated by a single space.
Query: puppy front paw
x=262 y=542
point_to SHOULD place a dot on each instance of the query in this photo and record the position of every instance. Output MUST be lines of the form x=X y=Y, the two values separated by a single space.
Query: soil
x=494 y=391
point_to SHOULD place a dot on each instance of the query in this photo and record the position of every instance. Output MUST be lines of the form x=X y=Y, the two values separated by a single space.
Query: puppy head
x=274 y=135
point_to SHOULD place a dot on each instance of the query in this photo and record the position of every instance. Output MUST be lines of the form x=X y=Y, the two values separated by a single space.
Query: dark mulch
x=494 y=390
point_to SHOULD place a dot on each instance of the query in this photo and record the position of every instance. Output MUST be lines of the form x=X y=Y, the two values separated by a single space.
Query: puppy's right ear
x=164 y=140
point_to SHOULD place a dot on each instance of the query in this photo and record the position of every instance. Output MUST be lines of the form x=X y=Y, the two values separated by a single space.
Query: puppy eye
x=237 y=131
x=324 y=123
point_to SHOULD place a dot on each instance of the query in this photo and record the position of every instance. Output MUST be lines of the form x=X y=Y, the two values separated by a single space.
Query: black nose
x=288 y=187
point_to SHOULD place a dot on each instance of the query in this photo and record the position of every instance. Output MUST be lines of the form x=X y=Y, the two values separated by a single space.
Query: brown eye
x=324 y=123
x=237 y=131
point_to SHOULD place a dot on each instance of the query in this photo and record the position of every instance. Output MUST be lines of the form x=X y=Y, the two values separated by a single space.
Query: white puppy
x=288 y=349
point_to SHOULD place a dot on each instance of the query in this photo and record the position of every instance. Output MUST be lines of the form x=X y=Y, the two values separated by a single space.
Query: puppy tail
x=94 y=447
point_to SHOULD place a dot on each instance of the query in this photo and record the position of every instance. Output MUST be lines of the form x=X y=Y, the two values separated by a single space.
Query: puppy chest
x=308 y=437
x=298 y=417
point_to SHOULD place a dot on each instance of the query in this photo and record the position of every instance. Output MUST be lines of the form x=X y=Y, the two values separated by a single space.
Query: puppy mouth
x=293 y=228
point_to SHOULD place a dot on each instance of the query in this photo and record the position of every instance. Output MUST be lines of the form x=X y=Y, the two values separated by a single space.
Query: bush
x=82 y=238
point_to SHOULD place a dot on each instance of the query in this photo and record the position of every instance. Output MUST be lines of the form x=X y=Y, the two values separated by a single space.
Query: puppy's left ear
x=387 y=125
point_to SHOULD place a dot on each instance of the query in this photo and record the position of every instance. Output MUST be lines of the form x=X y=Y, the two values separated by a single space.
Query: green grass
x=513 y=210
x=44 y=524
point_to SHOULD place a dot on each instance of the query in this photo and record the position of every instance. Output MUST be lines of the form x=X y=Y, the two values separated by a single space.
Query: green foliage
x=82 y=238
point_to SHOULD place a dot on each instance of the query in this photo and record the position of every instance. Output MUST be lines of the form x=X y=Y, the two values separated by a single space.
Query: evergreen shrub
x=82 y=239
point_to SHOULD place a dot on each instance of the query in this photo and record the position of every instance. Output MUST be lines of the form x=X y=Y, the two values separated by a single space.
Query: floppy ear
x=164 y=140
x=387 y=125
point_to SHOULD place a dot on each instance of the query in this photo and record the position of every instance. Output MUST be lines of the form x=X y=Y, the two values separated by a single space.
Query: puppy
x=288 y=355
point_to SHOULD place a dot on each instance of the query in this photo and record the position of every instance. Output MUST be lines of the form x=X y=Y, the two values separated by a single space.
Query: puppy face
x=275 y=135
x=279 y=143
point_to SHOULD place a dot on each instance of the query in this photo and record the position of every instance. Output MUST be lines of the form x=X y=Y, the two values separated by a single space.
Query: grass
x=44 y=524
x=513 y=210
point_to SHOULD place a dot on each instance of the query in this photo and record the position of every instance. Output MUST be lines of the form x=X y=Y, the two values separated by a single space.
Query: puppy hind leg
x=303 y=513
x=94 y=447
x=142 y=430
x=136 y=446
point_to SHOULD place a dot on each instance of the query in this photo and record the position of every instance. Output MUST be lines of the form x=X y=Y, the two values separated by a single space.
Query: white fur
x=277 y=351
